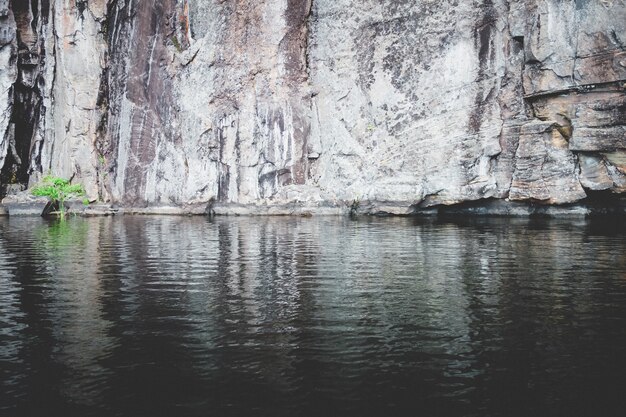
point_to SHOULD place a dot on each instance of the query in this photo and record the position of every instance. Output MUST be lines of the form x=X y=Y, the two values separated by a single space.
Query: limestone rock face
x=370 y=105
x=545 y=170
x=224 y=116
x=8 y=76
x=73 y=105
x=52 y=68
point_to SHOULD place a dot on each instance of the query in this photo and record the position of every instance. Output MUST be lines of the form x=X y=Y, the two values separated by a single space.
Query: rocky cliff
x=378 y=105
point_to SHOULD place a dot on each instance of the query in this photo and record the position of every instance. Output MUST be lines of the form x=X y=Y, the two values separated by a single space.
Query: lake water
x=188 y=316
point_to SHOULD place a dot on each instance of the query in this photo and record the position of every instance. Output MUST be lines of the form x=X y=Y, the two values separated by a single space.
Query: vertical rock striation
x=8 y=76
x=142 y=116
x=58 y=57
x=75 y=58
x=212 y=104
x=394 y=105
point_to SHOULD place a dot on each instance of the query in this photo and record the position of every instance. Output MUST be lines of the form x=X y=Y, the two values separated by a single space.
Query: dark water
x=151 y=316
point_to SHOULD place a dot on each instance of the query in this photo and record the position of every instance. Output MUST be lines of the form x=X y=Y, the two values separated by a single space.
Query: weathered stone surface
x=24 y=97
x=594 y=174
x=8 y=76
x=545 y=169
x=617 y=159
x=407 y=109
x=24 y=204
x=78 y=207
x=75 y=44
x=599 y=139
x=298 y=106
x=573 y=43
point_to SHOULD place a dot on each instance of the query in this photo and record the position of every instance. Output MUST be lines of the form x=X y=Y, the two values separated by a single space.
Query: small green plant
x=176 y=44
x=58 y=190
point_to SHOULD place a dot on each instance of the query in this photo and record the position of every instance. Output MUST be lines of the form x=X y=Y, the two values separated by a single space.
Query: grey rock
x=8 y=75
x=594 y=174
x=67 y=140
x=618 y=177
x=545 y=169
x=617 y=160
x=24 y=204
x=298 y=107
x=599 y=139
x=78 y=206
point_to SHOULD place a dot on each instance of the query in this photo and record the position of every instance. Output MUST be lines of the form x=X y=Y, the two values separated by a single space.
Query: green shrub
x=58 y=190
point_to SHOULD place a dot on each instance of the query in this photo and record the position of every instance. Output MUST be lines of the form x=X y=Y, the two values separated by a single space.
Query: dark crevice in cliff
x=596 y=203
x=26 y=112
x=309 y=20
x=483 y=42
x=597 y=87
x=81 y=6
x=520 y=44
x=101 y=142
x=602 y=197
x=604 y=202
x=27 y=94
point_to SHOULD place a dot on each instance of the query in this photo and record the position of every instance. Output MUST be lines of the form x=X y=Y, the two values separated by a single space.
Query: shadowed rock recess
x=317 y=106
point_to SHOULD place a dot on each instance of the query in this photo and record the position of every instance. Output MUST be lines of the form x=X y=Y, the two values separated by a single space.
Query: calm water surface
x=176 y=316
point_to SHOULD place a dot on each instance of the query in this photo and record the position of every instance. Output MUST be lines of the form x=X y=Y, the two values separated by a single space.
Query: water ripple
x=327 y=316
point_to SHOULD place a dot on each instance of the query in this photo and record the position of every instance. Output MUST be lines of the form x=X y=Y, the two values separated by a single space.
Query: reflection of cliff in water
x=287 y=314
x=57 y=289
